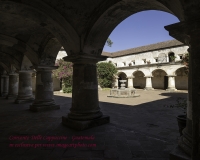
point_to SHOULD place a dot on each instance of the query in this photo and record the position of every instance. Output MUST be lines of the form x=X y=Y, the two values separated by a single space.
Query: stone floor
x=140 y=129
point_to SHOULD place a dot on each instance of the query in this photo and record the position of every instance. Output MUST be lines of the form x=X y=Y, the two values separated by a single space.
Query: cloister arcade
x=156 y=79
x=38 y=29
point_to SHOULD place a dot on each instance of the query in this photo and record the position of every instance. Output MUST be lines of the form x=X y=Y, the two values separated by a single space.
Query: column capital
x=84 y=58
x=4 y=75
x=43 y=68
x=130 y=77
x=171 y=75
x=182 y=30
x=26 y=71
x=148 y=76
x=13 y=73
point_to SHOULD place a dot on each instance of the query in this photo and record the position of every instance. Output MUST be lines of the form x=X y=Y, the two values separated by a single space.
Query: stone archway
x=118 y=12
x=181 y=79
x=159 y=79
x=139 y=80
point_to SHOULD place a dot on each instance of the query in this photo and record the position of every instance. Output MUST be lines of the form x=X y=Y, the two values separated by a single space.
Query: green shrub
x=67 y=90
x=67 y=85
x=105 y=73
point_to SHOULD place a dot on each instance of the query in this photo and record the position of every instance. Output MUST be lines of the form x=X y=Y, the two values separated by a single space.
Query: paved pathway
x=140 y=129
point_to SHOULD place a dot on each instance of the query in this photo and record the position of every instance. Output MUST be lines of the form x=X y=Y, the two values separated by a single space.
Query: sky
x=141 y=29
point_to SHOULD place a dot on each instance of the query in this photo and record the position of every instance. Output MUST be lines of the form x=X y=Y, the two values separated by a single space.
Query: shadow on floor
x=145 y=131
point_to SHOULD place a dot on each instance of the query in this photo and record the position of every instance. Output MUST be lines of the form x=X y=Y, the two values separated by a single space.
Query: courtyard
x=140 y=128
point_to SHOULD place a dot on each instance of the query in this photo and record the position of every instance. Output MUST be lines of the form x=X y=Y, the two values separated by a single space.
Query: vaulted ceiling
x=38 y=28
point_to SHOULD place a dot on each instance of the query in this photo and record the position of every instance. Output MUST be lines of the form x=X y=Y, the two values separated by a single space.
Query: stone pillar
x=130 y=82
x=85 y=111
x=148 y=83
x=62 y=86
x=116 y=82
x=25 y=92
x=13 y=85
x=193 y=117
x=5 y=85
x=1 y=86
x=44 y=89
x=185 y=141
x=189 y=142
x=171 y=83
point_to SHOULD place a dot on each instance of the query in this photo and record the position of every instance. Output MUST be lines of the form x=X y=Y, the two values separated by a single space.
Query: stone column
x=130 y=82
x=13 y=85
x=148 y=83
x=25 y=92
x=85 y=111
x=193 y=117
x=189 y=142
x=5 y=85
x=62 y=86
x=44 y=89
x=116 y=82
x=171 y=83
x=1 y=86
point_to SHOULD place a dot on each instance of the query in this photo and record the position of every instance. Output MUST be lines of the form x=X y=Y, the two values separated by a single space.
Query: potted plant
x=181 y=119
x=172 y=58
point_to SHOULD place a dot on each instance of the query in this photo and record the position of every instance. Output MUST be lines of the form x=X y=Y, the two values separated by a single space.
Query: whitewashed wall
x=148 y=56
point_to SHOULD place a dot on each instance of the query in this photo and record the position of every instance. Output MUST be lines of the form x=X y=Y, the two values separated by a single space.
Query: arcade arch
x=122 y=76
x=139 y=80
x=181 y=79
x=159 y=79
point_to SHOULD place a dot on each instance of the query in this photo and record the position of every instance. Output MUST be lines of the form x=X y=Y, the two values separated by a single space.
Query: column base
x=39 y=108
x=148 y=88
x=185 y=142
x=18 y=101
x=178 y=154
x=171 y=89
x=4 y=94
x=11 y=96
x=82 y=125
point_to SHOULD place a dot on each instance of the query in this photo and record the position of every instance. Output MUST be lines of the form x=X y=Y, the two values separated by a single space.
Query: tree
x=109 y=42
x=105 y=72
x=64 y=73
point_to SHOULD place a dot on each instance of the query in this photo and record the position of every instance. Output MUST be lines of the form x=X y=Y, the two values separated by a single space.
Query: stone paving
x=140 y=129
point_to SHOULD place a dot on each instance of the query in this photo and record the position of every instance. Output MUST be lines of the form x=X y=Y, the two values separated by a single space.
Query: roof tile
x=155 y=46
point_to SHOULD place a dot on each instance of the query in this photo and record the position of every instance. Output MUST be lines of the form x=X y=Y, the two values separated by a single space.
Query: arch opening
x=159 y=79
x=114 y=15
x=181 y=79
x=139 y=81
x=122 y=76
